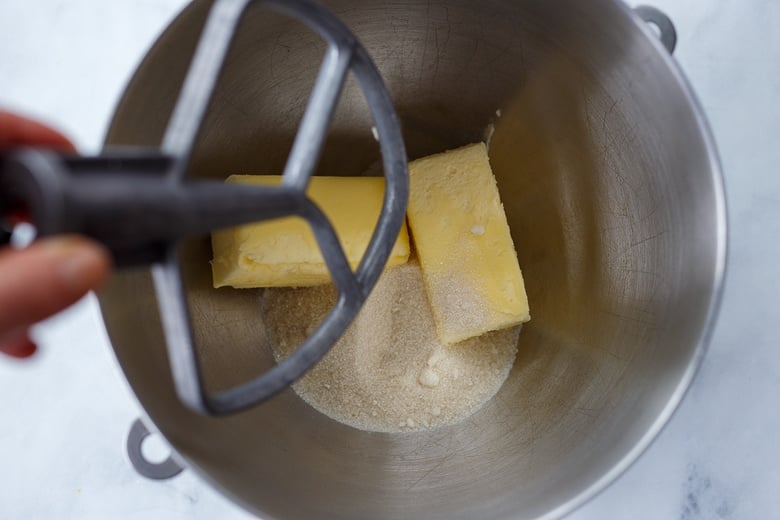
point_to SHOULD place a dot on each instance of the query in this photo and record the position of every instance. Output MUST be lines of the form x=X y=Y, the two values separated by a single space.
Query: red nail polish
x=21 y=349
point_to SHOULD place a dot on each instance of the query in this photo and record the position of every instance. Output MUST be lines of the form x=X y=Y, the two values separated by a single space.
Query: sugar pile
x=389 y=372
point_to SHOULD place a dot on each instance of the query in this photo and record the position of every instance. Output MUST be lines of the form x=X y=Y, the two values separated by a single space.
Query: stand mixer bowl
x=613 y=192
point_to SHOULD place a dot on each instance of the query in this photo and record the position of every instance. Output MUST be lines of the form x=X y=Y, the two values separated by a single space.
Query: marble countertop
x=66 y=413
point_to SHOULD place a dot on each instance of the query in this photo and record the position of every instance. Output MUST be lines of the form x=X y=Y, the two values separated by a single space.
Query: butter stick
x=461 y=236
x=284 y=252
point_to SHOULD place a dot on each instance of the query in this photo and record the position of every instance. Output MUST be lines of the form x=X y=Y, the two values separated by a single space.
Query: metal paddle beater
x=140 y=205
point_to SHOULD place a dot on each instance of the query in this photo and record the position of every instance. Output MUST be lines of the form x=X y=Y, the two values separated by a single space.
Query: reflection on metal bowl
x=613 y=193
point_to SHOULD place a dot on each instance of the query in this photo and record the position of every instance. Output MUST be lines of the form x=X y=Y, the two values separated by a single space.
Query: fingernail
x=20 y=349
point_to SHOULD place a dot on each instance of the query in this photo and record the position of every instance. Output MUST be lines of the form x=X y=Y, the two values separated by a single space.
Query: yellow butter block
x=284 y=252
x=462 y=239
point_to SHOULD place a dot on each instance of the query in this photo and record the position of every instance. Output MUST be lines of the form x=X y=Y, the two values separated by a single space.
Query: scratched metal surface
x=609 y=189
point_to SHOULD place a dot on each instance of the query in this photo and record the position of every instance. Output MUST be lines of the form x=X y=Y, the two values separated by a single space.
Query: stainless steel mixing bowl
x=613 y=193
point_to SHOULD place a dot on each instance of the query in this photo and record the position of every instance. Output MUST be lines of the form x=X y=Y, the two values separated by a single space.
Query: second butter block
x=462 y=240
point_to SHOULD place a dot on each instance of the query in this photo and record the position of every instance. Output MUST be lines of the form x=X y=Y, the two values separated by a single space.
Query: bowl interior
x=613 y=199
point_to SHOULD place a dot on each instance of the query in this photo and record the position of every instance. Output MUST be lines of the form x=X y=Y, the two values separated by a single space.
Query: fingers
x=44 y=279
x=19 y=131
x=50 y=275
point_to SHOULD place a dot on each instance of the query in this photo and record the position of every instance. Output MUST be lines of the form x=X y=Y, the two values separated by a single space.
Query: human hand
x=50 y=274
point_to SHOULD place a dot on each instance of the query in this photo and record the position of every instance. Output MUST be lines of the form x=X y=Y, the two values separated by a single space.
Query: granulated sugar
x=389 y=372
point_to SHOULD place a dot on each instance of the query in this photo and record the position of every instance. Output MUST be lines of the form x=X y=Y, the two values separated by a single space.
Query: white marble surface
x=65 y=414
